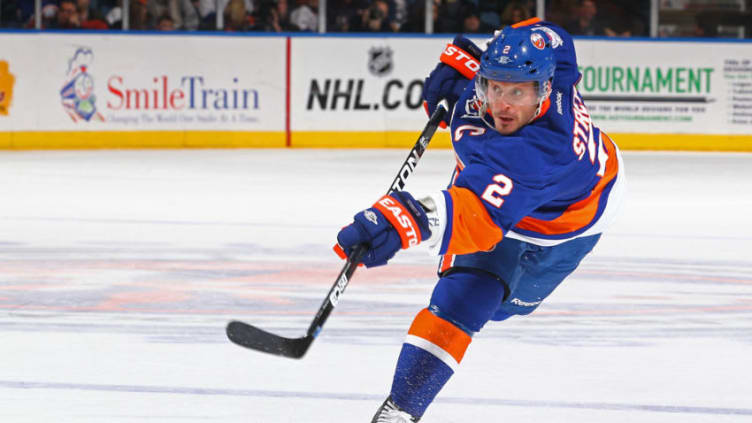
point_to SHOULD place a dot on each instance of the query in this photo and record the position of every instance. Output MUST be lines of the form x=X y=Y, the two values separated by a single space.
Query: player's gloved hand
x=459 y=63
x=395 y=221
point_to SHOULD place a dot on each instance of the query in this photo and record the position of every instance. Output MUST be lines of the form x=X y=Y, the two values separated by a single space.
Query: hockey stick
x=254 y=338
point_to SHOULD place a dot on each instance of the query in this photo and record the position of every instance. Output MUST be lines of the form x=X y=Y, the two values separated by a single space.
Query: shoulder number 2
x=494 y=192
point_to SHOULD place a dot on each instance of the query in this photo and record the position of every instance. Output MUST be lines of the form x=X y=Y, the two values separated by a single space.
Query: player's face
x=512 y=104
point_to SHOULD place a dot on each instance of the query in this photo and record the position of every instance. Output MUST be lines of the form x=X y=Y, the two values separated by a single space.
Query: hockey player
x=535 y=185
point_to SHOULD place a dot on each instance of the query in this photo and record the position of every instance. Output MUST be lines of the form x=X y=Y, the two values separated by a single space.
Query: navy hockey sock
x=432 y=351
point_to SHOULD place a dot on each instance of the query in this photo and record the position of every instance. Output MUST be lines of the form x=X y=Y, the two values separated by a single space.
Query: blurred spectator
x=580 y=17
x=443 y=20
x=376 y=17
x=514 y=12
x=88 y=17
x=398 y=10
x=447 y=21
x=49 y=16
x=139 y=15
x=584 y=22
x=11 y=15
x=471 y=24
x=283 y=15
x=165 y=23
x=267 y=19
x=182 y=13
x=561 y=12
x=67 y=16
x=207 y=12
x=138 y=18
x=114 y=16
x=704 y=28
x=236 y=16
x=415 y=14
x=104 y=6
x=304 y=16
x=626 y=18
x=617 y=31
x=272 y=16
x=471 y=21
x=345 y=15
x=530 y=7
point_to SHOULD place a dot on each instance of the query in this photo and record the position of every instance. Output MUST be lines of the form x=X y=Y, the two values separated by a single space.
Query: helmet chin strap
x=537 y=110
x=483 y=112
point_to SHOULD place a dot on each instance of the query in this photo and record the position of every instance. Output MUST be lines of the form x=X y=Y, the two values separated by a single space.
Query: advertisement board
x=349 y=91
x=164 y=87
x=668 y=87
x=185 y=90
x=647 y=94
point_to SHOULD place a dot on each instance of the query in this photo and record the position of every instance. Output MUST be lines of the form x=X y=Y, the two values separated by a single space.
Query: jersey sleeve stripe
x=472 y=228
x=439 y=337
x=581 y=213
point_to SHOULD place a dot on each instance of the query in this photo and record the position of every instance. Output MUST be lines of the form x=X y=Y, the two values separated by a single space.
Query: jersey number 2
x=494 y=192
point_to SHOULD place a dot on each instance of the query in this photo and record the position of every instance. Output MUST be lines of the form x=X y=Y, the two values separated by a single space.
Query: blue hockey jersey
x=554 y=179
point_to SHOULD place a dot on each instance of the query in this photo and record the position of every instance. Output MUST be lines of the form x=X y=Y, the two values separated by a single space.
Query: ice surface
x=121 y=268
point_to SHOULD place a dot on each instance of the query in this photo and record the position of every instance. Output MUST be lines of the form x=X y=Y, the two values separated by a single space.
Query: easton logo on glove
x=460 y=60
x=394 y=222
x=401 y=219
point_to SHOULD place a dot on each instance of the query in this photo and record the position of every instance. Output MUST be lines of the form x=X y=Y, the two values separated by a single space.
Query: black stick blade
x=257 y=339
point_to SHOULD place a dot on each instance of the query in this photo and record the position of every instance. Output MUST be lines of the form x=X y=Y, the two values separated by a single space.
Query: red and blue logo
x=77 y=93
x=538 y=41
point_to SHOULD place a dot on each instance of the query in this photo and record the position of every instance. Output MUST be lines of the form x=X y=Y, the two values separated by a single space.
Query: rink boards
x=148 y=90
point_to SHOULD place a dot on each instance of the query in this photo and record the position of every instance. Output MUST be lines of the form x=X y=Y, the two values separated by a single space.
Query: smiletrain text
x=192 y=94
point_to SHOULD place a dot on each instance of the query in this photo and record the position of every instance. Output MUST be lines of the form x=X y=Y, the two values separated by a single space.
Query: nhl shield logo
x=380 y=61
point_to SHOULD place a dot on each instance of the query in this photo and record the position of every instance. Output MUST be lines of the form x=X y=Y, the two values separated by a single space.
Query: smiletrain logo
x=77 y=93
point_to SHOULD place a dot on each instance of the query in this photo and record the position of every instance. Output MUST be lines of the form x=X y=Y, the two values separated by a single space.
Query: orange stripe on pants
x=441 y=333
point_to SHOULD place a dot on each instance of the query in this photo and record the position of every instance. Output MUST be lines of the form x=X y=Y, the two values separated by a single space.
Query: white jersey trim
x=437 y=220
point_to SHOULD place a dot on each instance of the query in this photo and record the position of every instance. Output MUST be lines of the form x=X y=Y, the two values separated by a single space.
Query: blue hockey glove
x=459 y=63
x=395 y=221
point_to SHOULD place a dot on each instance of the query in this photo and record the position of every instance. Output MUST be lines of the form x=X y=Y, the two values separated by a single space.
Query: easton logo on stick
x=339 y=288
x=407 y=170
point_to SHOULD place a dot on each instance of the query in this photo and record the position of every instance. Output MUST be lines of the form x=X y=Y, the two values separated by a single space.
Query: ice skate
x=389 y=412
